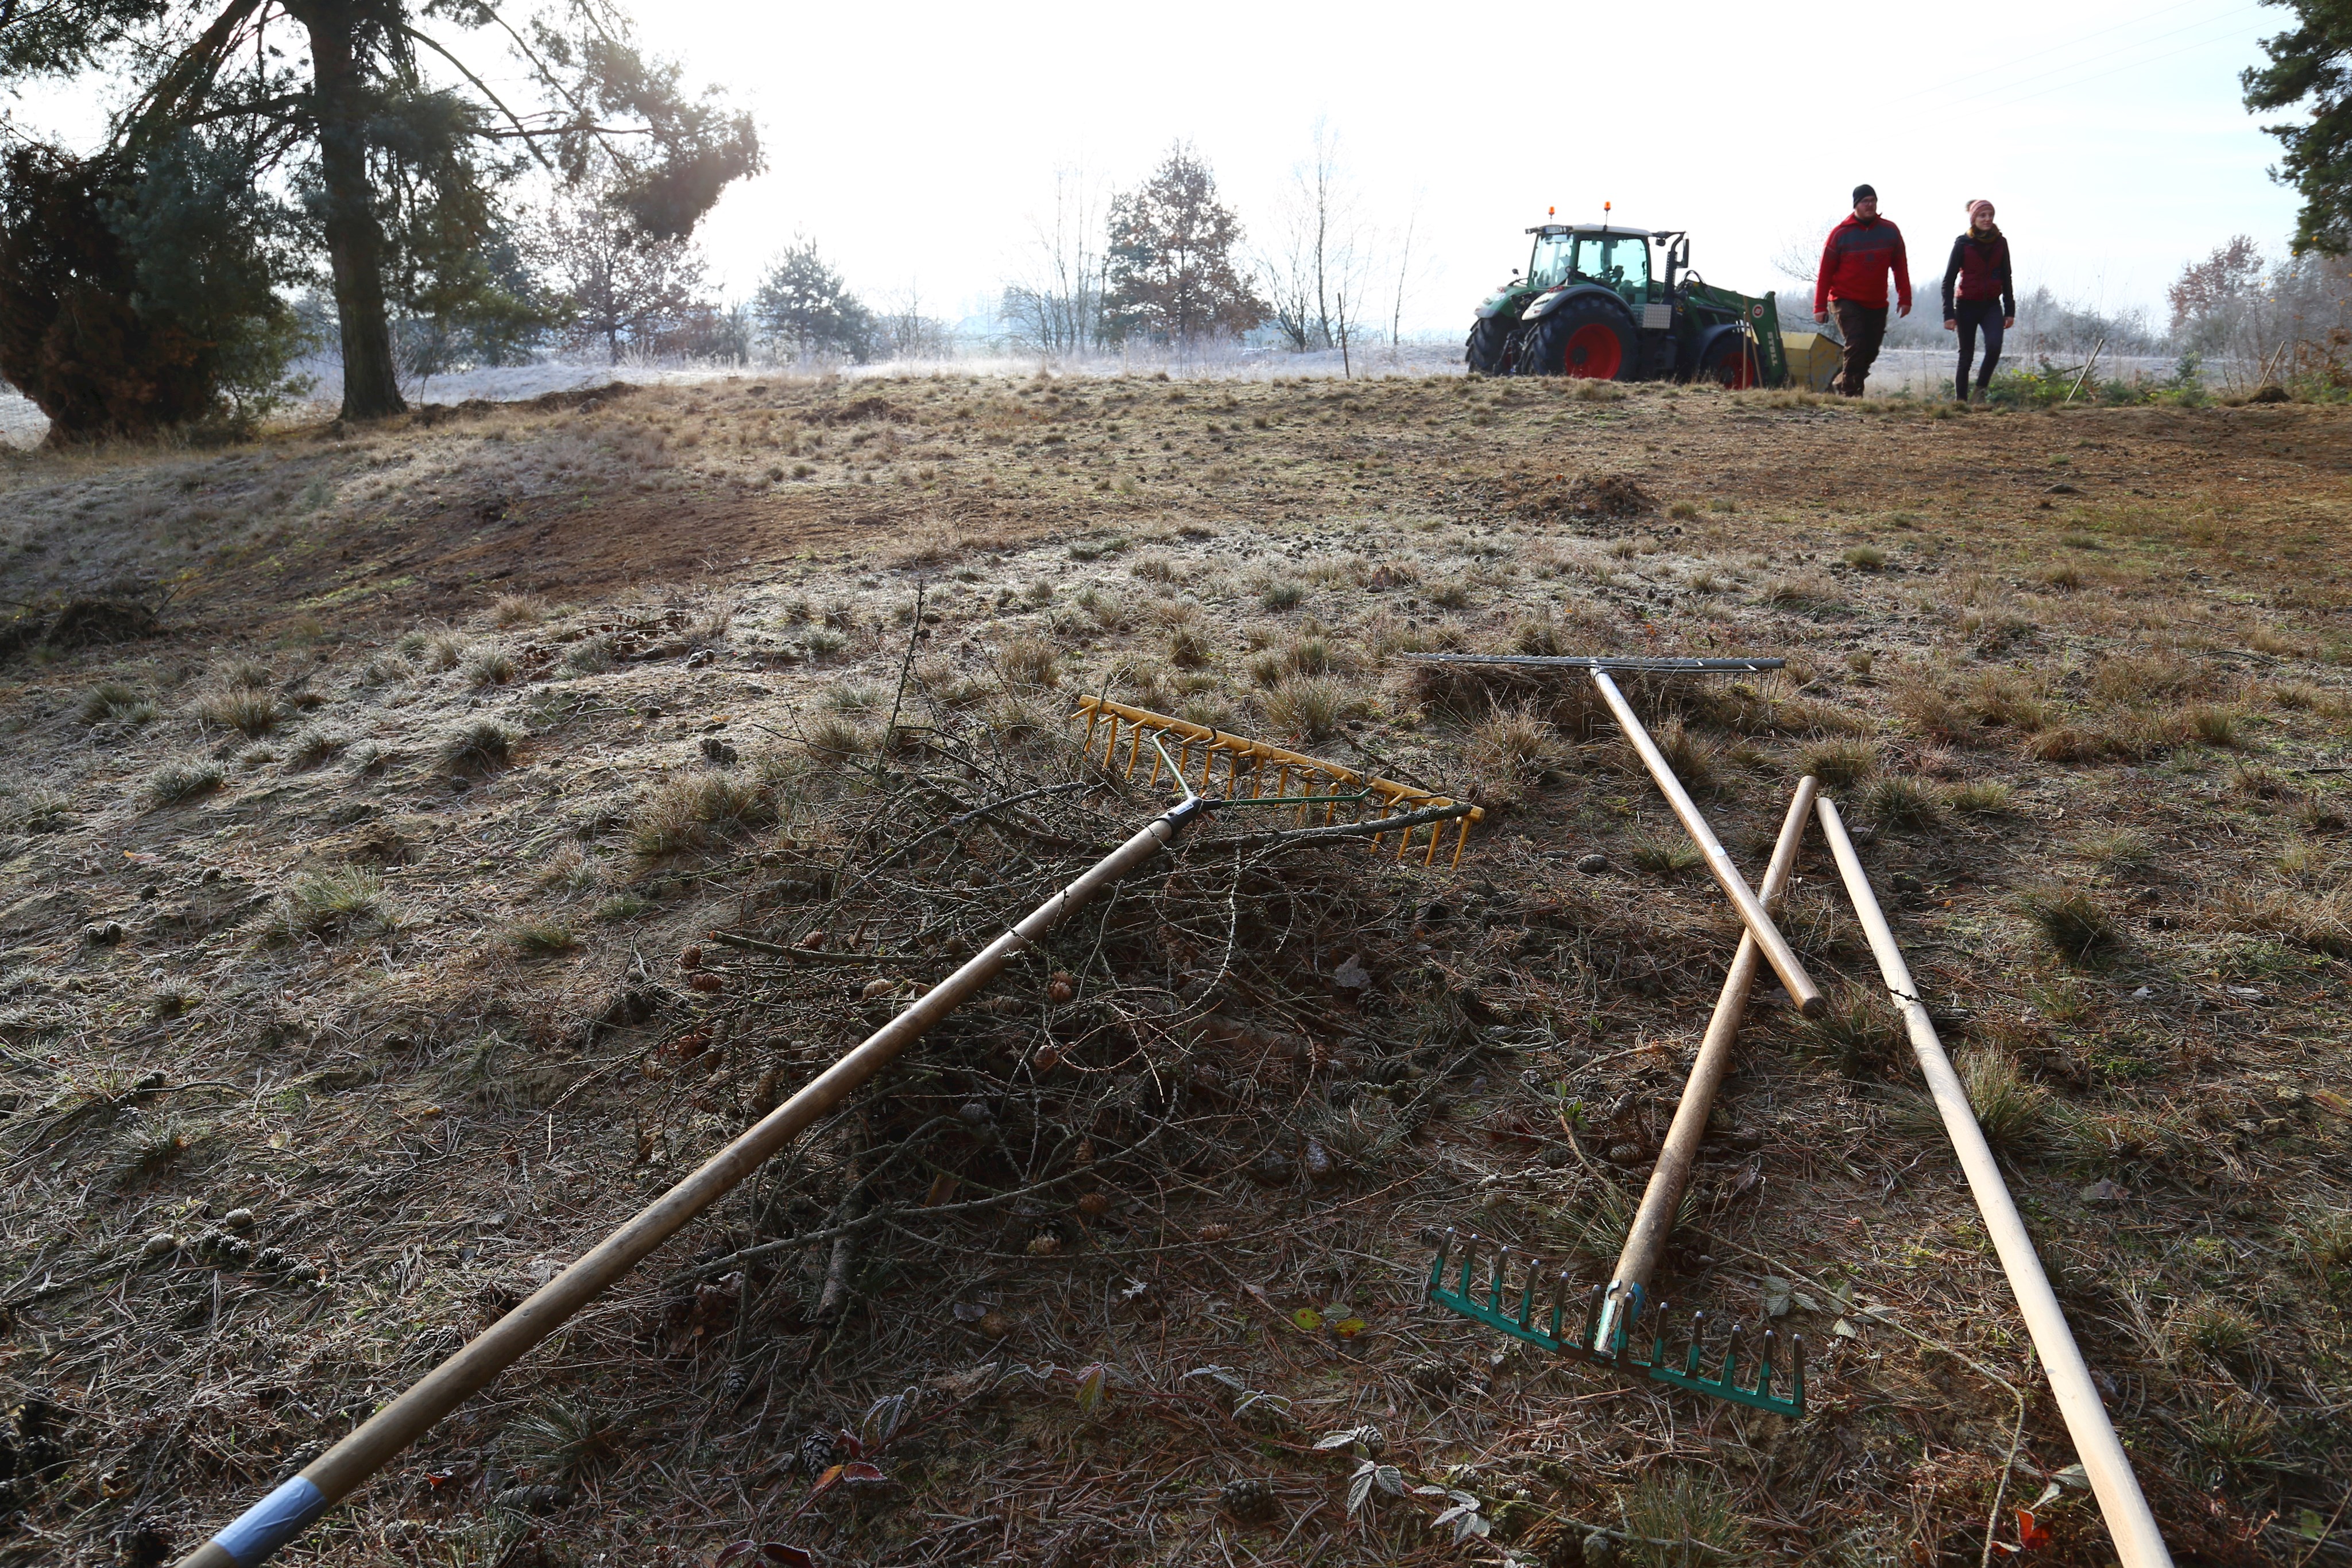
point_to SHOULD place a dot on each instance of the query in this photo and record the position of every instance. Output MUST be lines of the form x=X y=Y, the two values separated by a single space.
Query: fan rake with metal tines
x=1257 y=773
x=1611 y=1317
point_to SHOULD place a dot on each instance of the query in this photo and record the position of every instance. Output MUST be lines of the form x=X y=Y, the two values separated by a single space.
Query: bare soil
x=363 y=958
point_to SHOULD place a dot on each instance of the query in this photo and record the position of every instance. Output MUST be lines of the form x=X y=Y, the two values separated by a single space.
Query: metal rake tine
x=1437 y=1268
x=1658 y=1340
x=1697 y=1332
x=1592 y=1319
x=1528 y=1291
x=1470 y=1245
x=1558 y=1303
x=1495 y=1286
x=1731 y=1359
x=1764 y=1366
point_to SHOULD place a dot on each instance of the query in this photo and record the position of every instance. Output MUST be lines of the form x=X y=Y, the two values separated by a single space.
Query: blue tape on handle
x=270 y=1523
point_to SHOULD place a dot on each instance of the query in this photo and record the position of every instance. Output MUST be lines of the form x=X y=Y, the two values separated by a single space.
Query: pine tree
x=806 y=307
x=402 y=181
x=2313 y=61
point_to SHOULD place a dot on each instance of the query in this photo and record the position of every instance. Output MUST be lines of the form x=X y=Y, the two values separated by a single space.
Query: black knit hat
x=1865 y=193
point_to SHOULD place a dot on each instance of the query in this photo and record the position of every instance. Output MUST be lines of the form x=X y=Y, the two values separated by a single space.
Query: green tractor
x=1619 y=304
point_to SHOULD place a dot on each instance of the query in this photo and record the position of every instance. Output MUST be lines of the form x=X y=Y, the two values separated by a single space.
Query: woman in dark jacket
x=1986 y=295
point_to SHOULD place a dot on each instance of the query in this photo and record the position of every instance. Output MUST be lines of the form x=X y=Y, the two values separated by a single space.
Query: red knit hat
x=1974 y=203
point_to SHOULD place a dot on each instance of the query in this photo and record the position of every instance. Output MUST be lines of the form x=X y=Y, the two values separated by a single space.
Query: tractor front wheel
x=1588 y=338
x=1730 y=361
x=1488 y=349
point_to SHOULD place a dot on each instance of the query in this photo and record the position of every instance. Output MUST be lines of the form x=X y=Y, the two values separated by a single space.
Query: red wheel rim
x=1593 y=351
x=1737 y=370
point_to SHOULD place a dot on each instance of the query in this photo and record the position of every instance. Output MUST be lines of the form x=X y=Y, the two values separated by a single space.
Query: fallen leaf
x=2331 y=1101
x=1352 y=975
x=1308 y=1318
x=2029 y=1534
x=1775 y=1295
x=1348 y=1327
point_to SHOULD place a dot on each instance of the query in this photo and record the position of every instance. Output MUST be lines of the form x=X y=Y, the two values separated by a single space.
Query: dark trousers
x=1973 y=315
x=1863 y=328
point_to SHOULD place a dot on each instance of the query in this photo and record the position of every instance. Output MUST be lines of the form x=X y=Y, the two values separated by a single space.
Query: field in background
x=359 y=967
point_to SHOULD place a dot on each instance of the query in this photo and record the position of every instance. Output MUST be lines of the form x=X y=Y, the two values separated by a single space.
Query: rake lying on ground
x=257 y=1535
x=1616 y=1307
x=1258 y=766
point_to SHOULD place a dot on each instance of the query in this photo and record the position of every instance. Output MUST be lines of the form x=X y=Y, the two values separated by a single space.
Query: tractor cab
x=1618 y=259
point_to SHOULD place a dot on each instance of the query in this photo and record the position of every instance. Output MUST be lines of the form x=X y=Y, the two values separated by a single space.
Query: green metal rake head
x=1516 y=1312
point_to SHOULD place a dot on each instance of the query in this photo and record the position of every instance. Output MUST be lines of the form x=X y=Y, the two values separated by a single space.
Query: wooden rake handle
x=2138 y=1541
x=1654 y=1220
x=328 y=1479
x=1776 y=949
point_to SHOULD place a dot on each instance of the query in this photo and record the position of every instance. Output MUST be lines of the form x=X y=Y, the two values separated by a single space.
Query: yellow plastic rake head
x=1257 y=771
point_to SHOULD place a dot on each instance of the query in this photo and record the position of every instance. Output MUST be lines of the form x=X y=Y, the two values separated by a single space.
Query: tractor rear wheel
x=1589 y=337
x=1486 y=352
x=1730 y=361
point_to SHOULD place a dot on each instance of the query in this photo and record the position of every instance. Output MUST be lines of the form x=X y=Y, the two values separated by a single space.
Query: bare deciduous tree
x=1057 y=307
x=1319 y=275
x=619 y=285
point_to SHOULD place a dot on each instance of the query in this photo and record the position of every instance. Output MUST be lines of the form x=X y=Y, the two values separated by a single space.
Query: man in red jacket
x=1853 y=282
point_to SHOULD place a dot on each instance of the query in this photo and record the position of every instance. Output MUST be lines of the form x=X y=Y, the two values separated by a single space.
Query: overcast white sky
x=916 y=143
x=919 y=143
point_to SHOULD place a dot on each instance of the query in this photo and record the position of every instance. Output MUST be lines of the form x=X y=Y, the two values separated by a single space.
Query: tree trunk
x=354 y=243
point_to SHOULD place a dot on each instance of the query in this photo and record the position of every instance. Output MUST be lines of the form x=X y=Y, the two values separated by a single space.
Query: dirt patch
x=1589 y=496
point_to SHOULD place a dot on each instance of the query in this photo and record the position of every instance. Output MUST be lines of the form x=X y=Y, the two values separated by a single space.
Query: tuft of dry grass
x=2075 y=922
x=174 y=782
x=1901 y=801
x=475 y=746
x=542 y=938
x=1309 y=707
x=1515 y=739
x=486 y=667
x=1839 y=764
x=249 y=710
x=1029 y=662
x=2321 y=921
x=1858 y=1033
x=517 y=610
x=698 y=812
x=334 y=902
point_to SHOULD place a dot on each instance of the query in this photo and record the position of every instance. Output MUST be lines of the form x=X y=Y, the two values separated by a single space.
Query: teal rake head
x=1539 y=1312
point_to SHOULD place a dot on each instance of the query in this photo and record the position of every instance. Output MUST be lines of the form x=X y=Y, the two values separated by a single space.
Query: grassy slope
x=539 y=694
